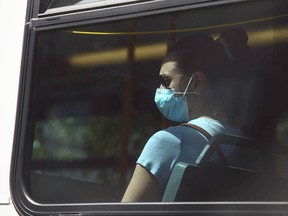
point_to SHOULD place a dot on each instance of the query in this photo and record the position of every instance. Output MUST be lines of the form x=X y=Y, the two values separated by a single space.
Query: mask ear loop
x=188 y=87
x=185 y=92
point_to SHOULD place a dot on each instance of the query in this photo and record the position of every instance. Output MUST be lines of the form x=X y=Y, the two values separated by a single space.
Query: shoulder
x=214 y=127
x=160 y=153
x=166 y=147
x=169 y=144
x=162 y=148
x=169 y=136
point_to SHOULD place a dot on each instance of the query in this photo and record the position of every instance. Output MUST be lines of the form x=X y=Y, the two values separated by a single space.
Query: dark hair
x=235 y=45
x=214 y=57
x=220 y=60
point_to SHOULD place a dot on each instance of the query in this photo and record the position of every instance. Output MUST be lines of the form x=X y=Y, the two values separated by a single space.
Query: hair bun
x=235 y=35
x=235 y=43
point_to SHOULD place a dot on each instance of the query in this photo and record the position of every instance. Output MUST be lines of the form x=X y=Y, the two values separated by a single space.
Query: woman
x=195 y=86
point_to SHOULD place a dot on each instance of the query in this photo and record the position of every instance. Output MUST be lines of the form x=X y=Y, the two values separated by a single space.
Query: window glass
x=92 y=101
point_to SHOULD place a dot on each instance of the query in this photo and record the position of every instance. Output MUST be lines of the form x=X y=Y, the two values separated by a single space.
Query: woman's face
x=173 y=78
x=178 y=81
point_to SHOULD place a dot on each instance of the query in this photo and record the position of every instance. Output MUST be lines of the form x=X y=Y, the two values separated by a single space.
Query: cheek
x=176 y=85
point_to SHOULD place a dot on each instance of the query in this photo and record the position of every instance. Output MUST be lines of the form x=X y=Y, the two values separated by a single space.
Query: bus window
x=94 y=108
x=89 y=102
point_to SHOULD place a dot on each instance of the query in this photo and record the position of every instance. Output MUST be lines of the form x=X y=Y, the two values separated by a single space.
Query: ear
x=199 y=82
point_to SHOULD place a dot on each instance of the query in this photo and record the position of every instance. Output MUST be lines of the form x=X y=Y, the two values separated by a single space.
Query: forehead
x=169 y=69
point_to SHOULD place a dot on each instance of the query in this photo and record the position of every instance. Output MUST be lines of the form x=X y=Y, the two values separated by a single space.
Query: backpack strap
x=208 y=136
x=201 y=130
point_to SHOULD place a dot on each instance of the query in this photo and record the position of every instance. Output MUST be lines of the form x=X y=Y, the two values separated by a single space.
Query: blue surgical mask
x=173 y=108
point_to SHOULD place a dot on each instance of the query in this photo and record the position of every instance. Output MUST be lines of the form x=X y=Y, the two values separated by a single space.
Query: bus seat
x=208 y=181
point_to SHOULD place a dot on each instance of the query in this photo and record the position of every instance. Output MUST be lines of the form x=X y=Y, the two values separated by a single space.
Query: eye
x=168 y=80
x=165 y=81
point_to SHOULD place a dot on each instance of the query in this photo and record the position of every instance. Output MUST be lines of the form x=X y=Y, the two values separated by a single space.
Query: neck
x=207 y=106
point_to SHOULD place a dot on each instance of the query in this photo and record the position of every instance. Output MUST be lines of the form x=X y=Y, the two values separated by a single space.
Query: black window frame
x=37 y=22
